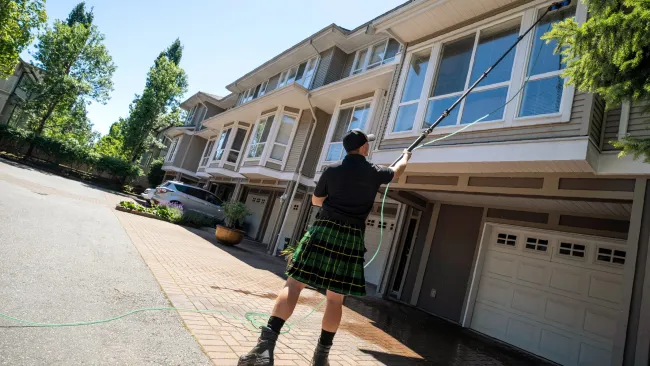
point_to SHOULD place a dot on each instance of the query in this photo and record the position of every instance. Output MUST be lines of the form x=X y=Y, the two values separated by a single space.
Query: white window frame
x=371 y=122
x=173 y=149
x=366 y=58
x=275 y=129
x=190 y=115
x=528 y=15
x=216 y=147
x=353 y=106
x=229 y=148
x=282 y=82
x=257 y=125
x=206 y=157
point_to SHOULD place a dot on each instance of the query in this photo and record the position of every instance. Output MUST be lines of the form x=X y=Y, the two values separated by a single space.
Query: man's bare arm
x=400 y=167
x=317 y=201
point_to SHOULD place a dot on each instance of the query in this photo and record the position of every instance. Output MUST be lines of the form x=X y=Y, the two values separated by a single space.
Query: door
x=554 y=294
x=290 y=225
x=410 y=235
x=372 y=241
x=273 y=219
x=448 y=269
x=256 y=204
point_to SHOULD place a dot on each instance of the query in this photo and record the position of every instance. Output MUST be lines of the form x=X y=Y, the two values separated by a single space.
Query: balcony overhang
x=202 y=97
x=570 y=155
x=206 y=133
x=293 y=95
x=328 y=96
x=176 y=131
x=222 y=172
x=260 y=172
x=169 y=167
x=423 y=18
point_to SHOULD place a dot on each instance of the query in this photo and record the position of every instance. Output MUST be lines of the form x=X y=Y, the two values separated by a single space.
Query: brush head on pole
x=559 y=5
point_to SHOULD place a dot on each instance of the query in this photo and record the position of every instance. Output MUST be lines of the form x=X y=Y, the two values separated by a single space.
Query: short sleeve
x=384 y=174
x=321 y=186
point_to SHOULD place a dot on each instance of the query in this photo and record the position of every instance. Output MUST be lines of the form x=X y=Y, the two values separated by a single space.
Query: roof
x=223 y=102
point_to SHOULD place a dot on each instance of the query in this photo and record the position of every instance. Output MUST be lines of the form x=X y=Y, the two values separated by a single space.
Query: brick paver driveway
x=196 y=272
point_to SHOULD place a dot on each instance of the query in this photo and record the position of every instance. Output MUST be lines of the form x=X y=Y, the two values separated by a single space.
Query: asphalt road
x=64 y=257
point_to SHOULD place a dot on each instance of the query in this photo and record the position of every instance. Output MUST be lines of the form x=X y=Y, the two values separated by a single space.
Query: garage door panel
x=557 y=295
x=374 y=225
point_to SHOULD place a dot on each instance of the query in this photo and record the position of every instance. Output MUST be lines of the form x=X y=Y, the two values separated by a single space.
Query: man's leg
x=331 y=322
x=262 y=353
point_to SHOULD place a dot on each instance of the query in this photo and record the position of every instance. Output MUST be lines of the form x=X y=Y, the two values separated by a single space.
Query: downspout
x=303 y=155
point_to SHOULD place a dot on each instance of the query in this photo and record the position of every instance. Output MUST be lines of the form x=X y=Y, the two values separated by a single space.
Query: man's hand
x=400 y=167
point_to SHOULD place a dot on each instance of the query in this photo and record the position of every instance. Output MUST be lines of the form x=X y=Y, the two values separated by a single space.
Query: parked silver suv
x=189 y=197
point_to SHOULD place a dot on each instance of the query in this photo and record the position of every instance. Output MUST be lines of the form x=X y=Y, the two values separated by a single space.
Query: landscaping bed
x=170 y=213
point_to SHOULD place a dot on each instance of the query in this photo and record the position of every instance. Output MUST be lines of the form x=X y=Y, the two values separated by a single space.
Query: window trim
x=368 y=55
x=171 y=154
x=208 y=157
x=275 y=128
x=249 y=145
x=226 y=150
x=371 y=124
x=353 y=106
x=528 y=14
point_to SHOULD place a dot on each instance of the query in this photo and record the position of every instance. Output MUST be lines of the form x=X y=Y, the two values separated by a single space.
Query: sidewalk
x=196 y=272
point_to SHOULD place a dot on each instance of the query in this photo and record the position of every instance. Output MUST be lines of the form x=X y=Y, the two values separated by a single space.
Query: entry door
x=409 y=236
x=450 y=261
x=554 y=294
x=273 y=219
x=256 y=204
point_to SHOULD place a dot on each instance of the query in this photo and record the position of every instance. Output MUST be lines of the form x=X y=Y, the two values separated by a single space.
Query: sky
x=223 y=40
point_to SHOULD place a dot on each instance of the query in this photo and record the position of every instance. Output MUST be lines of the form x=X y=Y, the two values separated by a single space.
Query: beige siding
x=597 y=120
x=193 y=154
x=544 y=131
x=251 y=163
x=299 y=141
x=612 y=121
x=317 y=141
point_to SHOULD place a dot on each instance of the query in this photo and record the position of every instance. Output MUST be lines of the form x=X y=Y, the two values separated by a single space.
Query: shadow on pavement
x=437 y=341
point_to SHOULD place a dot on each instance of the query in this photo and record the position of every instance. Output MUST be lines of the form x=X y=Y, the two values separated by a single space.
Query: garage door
x=255 y=204
x=556 y=295
x=372 y=236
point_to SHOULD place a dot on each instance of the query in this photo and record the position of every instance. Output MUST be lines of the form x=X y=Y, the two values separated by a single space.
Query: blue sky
x=223 y=39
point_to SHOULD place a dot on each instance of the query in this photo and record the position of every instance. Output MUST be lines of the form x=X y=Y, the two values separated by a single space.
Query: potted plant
x=234 y=215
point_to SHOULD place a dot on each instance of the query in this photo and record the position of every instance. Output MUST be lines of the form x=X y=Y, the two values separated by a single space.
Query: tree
x=75 y=66
x=18 y=21
x=609 y=55
x=113 y=143
x=71 y=123
x=156 y=174
x=158 y=106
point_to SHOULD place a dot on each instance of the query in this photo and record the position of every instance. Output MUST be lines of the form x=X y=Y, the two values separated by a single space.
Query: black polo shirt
x=351 y=187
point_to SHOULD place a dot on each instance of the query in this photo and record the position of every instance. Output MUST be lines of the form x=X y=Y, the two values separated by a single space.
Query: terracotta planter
x=229 y=236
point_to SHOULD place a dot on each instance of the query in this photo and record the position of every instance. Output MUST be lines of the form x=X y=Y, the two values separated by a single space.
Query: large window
x=437 y=76
x=283 y=137
x=206 y=153
x=237 y=144
x=377 y=54
x=173 y=147
x=349 y=119
x=260 y=136
x=221 y=145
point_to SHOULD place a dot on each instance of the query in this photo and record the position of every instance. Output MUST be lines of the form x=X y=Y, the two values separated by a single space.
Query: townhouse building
x=14 y=93
x=525 y=226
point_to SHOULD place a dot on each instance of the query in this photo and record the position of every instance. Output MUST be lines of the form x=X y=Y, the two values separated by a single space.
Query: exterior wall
x=611 y=123
x=299 y=141
x=317 y=141
x=193 y=154
x=638 y=332
x=330 y=67
x=596 y=123
x=574 y=127
x=213 y=110
x=347 y=66
x=637 y=127
x=8 y=92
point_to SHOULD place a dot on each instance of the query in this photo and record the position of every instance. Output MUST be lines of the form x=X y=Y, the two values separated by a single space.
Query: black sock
x=326 y=338
x=275 y=324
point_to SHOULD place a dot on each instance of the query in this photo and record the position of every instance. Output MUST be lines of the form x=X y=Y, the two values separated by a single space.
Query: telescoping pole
x=555 y=6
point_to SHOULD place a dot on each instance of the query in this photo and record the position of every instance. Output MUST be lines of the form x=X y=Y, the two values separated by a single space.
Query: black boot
x=321 y=355
x=262 y=353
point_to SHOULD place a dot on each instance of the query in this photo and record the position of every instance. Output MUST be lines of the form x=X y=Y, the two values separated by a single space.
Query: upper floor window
x=224 y=147
x=349 y=118
x=302 y=74
x=221 y=145
x=283 y=137
x=438 y=75
x=237 y=144
x=206 y=152
x=260 y=136
x=196 y=115
x=171 y=153
x=377 y=54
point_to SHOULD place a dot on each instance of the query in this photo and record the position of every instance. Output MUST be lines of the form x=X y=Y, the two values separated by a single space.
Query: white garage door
x=552 y=294
x=372 y=236
x=256 y=204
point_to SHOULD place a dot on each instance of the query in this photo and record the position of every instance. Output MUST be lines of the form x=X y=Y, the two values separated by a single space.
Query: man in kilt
x=330 y=256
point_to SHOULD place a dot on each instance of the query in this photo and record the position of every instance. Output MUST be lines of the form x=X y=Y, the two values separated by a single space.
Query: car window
x=212 y=199
x=182 y=189
x=196 y=193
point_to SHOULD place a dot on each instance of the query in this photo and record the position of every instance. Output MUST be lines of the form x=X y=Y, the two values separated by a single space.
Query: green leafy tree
x=71 y=124
x=19 y=19
x=112 y=144
x=158 y=106
x=74 y=66
x=609 y=54
x=156 y=174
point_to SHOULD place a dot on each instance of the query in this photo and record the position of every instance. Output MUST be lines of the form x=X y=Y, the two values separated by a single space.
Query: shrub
x=235 y=213
x=197 y=220
x=168 y=213
x=156 y=174
x=118 y=168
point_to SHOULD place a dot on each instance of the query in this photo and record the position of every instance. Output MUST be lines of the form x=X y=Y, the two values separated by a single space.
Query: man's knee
x=334 y=298
x=295 y=286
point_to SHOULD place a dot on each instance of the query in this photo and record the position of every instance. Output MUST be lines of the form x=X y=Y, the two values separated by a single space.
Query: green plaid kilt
x=331 y=256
